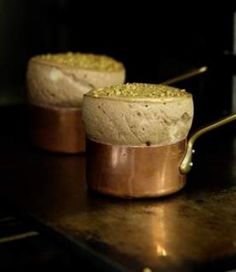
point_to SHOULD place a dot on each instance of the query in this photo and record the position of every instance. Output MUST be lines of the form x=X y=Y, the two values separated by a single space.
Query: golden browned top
x=81 y=60
x=139 y=90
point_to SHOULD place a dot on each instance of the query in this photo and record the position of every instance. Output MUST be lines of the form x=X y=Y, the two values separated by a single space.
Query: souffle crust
x=138 y=114
x=81 y=60
x=139 y=91
x=62 y=79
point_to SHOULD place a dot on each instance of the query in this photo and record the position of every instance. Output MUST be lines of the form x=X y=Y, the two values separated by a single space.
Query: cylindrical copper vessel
x=57 y=129
x=135 y=171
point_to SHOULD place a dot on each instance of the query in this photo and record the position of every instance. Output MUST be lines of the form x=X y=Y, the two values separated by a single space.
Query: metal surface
x=135 y=171
x=186 y=164
x=182 y=232
x=57 y=129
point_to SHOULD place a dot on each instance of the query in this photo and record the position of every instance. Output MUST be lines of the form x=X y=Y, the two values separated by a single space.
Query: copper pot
x=142 y=171
x=57 y=129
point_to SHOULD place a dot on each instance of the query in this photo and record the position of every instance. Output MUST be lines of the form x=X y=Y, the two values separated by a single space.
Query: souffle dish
x=56 y=84
x=136 y=139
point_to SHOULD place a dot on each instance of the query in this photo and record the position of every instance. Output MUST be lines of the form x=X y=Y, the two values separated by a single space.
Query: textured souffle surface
x=63 y=79
x=140 y=91
x=138 y=114
x=81 y=60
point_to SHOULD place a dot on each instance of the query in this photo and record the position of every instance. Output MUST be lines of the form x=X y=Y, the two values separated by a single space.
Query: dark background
x=156 y=40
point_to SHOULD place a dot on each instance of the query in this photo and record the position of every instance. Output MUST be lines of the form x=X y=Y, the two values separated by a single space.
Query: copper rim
x=57 y=129
x=134 y=172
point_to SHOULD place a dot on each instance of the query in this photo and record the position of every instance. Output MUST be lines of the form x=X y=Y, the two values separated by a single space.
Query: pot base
x=133 y=171
x=57 y=129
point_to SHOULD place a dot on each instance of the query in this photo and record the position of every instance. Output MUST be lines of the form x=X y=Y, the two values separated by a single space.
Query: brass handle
x=186 y=75
x=187 y=164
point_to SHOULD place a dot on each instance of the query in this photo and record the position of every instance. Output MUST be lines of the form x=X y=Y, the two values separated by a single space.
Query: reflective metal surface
x=175 y=233
x=192 y=230
x=135 y=171
x=57 y=129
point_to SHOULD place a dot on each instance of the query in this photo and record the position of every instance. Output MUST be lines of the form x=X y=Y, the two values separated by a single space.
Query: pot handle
x=186 y=163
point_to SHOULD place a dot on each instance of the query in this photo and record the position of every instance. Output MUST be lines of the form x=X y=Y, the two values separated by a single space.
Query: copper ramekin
x=57 y=129
x=135 y=171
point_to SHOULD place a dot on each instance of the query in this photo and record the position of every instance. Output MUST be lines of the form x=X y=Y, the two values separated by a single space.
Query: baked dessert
x=62 y=79
x=137 y=114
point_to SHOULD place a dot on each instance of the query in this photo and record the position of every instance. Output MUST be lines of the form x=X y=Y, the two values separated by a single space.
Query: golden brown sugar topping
x=82 y=60
x=139 y=90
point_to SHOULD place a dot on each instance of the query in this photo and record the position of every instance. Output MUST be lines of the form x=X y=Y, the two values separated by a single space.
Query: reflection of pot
x=142 y=171
x=57 y=129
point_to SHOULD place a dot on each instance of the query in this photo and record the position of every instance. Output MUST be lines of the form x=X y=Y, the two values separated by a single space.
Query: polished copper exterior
x=57 y=129
x=135 y=171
